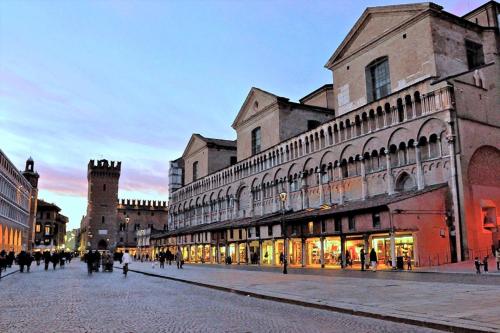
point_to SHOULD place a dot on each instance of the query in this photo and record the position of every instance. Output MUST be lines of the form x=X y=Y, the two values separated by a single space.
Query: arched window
x=405 y=183
x=378 y=82
x=256 y=140
x=343 y=168
x=433 y=146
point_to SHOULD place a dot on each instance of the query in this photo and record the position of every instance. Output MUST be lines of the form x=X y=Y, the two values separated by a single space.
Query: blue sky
x=131 y=80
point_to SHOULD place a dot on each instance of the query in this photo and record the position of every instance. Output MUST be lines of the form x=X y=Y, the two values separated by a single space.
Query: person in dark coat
x=21 y=260
x=162 y=260
x=10 y=259
x=362 y=258
x=38 y=257
x=373 y=259
x=62 y=259
x=3 y=261
x=29 y=260
x=477 y=265
x=54 y=259
x=169 y=256
x=46 y=259
x=485 y=264
x=89 y=259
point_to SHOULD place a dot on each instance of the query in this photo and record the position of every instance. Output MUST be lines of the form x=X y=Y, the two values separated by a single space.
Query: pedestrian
x=10 y=259
x=62 y=259
x=55 y=260
x=373 y=260
x=38 y=257
x=498 y=258
x=408 y=262
x=485 y=264
x=3 y=261
x=162 y=260
x=348 y=261
x=281 y=258
x=21 y=260
x=29 y=260
x=169 y=257
x=46 y=259
x=127 y=259
x=89 y=259
x=362 y=258
x=477 y=264
x=178 y=258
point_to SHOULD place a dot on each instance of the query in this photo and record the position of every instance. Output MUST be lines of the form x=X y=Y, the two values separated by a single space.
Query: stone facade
x=18 y=193
x=110 y=224
x=407 y=164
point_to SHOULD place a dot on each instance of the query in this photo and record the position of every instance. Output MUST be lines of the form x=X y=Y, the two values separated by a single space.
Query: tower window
x=475 y=55
x=195 y=171
x=256 y=141
x=378 y=82
x=102 y=219
x=352 y=223
x=104 y=187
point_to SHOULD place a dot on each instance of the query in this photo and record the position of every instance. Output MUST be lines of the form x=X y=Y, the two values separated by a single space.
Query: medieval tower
x=101 y=224
x=32 y=176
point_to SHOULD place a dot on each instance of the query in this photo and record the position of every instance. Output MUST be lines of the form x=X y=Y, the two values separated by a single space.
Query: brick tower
x=32 y=176
x=101 y=224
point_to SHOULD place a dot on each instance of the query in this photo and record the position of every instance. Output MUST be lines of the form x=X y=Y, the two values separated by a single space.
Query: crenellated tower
x=32 y=177
x=101 y=224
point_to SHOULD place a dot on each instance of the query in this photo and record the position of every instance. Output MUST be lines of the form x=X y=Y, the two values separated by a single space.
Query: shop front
x=313 y=252
x=333 y=252
x=242 y=247
x=222 y=249
x=206 y=253
x=185 y=252
x=353 y=248
x=267 y=252
x=295 y=252
x=199 y=253
x=213 y=251
x=254 y=252
x=232 y=253
x=279 y=251
x=192 y=252
x=404 y=246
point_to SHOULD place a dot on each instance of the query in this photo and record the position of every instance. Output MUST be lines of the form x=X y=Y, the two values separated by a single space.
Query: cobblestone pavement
x=70 y=301
x=466 y=305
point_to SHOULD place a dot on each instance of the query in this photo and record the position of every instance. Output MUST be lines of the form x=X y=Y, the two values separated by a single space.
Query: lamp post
x=127 y=220
x=283 y=196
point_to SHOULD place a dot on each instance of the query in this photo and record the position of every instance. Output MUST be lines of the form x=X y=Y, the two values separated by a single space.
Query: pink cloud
x=65 y=181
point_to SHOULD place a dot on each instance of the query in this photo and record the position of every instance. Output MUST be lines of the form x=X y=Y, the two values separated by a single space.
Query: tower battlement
x=142 y=204
x=104 y=167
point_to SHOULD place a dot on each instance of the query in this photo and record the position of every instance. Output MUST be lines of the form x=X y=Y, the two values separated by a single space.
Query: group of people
x=484 y=263
x=25 y=258
x=96 y=260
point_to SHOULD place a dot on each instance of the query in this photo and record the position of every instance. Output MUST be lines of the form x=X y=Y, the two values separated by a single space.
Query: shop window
x=475 y=55
x=47 y=230
x=269 y=230
x=352 y=223
x=338 y=224
x=376 y=220
x=378 y=82
x=38 y=227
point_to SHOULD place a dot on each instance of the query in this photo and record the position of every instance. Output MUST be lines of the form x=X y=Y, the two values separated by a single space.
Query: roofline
x=491 y=2
x=323 y=87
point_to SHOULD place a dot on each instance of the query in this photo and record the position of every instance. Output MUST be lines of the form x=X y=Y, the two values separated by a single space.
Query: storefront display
x=403 y=247
x=353 y=248
x=206 y=253
x=295 y=249
x=279 y=251
x=243 y=253
x=267 y=252
x=313 y=251
x=333 y=255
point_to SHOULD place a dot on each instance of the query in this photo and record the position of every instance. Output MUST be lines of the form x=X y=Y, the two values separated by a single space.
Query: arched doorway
x=102 y=245
x=404 y=183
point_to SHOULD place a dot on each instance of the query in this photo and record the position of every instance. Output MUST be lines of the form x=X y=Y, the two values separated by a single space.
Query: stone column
x=341 y=186
x=248 y=250
x=304 y=254
x=237 y=249
x=203 y=253
x=390 y=181
x=275 y=198
x=420 y=172
x=393 y=248
x=262 y=192
x=273 y=255
x=342 y=250
x=454 y=193
x=364 y=186
x=261 y=251
x=288 y=199
x=320 y=184
x=252 y=201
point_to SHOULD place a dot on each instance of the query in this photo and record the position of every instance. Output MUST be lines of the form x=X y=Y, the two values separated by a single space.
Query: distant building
x=71 y=240
x=50 y=227
x=18 y=195
x=112 y=224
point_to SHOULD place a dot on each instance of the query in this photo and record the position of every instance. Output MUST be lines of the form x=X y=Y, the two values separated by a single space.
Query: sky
x=131 y=81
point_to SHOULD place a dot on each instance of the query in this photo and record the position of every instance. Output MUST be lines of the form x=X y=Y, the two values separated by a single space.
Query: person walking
x=55 y=260
x=373 y=260
x=362 y=258
x=38 y=257
x=3 y=261
x=408 y=263
x=29 y=260
x=89 y=259
x=178 y=258
x=477 y=265
x=497 y=256
x=169 y=257
x=126 y=260
x=21 y=260
x=46 y=259
x=485 y=264
x=162 y=260
x=10 y=259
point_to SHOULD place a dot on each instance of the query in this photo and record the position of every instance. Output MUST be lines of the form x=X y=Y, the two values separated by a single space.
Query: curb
x=10 y=273
x=414 y=322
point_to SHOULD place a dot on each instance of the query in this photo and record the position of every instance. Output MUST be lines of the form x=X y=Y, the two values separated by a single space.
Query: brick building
x=18 y=199
x=111 y=223
x=50 y=226
x=400 y=154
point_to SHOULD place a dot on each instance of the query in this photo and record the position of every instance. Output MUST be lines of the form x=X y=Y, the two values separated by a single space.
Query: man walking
x=178 y=258
x=127 y=259
x=362 y=258
x=21 y=260
x=373 y=260
x=46 y=259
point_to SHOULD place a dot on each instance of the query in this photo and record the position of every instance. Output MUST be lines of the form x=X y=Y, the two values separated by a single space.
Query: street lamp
x=283 y=196
x=127 y=220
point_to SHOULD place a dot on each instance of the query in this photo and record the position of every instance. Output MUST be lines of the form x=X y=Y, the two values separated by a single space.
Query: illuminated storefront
x=278 y=250
x=213 y=251
x=243 y=252
x=333 y=253
x=313 y=251
x=222 y=249
x=199 y=253
x=192 y=252
x=206 y=253
x=232 y=252
x=254 y=252
x=353 y=248
x=403 y=245
x=267 y=252
x=295 y=251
